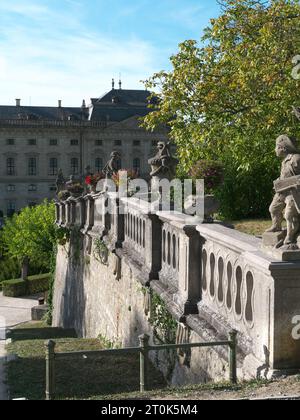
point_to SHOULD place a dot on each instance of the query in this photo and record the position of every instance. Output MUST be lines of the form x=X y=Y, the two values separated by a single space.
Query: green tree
x=231 y=96
x=32 y=234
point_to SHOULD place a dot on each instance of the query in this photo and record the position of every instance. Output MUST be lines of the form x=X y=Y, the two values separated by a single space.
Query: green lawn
x=75 y=378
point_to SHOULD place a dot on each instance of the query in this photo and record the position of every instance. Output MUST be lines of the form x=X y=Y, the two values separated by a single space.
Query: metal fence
x=143 y=350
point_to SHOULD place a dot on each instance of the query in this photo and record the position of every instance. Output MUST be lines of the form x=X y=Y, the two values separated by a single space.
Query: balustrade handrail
x=143 y=350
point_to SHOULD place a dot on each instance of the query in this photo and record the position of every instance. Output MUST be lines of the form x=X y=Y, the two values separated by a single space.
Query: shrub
x=9 y=269
x=14 y=288
x=210 y=171
x=33 y=285
x=246 y=194
x=38 y=284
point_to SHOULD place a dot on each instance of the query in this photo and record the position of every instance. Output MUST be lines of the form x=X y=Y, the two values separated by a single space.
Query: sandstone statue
x=112 y=166
x=287 y=197
x=163 y=165
x=60 y=182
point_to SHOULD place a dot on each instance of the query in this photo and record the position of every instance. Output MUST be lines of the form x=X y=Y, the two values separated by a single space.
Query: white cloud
x=49 y=61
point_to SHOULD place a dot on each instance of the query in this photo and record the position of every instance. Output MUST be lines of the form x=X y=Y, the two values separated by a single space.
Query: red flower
x=88 y=180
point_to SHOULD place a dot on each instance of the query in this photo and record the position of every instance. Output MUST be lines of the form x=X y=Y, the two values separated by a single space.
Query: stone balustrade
x=250 y=291
x=180 y=272
x=142 y=236
x=80 y=210
x=99 y=217
x=204 y=272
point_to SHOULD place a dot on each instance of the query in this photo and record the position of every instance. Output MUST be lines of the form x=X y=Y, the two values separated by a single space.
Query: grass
x=252 y=227
x=75 y=378
x=102 y=378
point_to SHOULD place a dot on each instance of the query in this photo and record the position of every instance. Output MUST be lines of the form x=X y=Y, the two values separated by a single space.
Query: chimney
x=113 y=84
x=83 y=106
x=120 y=84
x=59 y=103
x=18 y=102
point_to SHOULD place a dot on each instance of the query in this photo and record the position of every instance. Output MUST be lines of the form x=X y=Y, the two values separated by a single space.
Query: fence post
x=233 y=356
x=144 y=344
x=50 y=370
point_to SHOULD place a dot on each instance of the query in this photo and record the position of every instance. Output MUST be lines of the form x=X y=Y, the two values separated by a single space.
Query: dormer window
x=115 y=100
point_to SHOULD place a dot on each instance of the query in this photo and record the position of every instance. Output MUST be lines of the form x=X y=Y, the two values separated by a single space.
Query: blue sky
x=71 y=49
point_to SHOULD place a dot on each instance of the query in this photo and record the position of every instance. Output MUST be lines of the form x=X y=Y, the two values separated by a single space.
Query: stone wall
x=211 y=279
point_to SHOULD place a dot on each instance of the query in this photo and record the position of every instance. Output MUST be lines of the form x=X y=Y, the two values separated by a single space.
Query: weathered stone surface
x=210 y=277
x=39 y=312
x=271 y=239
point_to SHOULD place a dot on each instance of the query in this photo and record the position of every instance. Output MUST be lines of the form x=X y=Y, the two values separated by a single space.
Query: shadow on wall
x=73 y=297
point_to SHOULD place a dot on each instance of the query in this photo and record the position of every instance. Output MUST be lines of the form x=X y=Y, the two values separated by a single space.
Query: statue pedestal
x=272 y=239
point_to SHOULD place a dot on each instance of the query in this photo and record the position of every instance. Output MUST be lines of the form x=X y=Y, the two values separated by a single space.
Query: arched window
x=99 y=165
x=136 y=164
x=10 y=166
x=53 y=166
x=74 y=166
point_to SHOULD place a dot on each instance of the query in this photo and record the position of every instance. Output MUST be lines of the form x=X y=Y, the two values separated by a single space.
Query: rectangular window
x=10 y=166
x=118 y=142
x=136 y=143
x=53 y=165
x=53 y=142
x=99 y=164
x=32 y=188
x=74 y=142
x=10 y=142
x=52 y=188
x=11 y=188
x=136 y=164
x=98 y=142
x=32 y=167
x=32 y=142
x=74 y=166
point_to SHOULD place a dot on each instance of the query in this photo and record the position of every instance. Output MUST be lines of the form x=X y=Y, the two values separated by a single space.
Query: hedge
x=31 y=286
x=14 y=288
x=38 y=283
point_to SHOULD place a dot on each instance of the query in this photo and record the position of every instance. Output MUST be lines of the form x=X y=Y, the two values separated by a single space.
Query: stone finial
x=163 y=164
x=286 y=199
x=112 y=166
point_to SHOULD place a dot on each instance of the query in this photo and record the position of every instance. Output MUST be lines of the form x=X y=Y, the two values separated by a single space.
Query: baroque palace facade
x=35 y=142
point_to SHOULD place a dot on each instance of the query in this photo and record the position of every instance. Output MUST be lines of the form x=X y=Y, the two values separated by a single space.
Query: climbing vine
x=161 y=320
x=164 y=331
x=101 y=251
